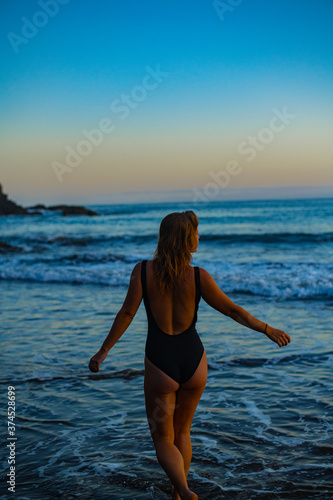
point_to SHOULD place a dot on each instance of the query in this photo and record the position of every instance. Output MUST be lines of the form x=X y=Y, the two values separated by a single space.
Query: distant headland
x=9 y=207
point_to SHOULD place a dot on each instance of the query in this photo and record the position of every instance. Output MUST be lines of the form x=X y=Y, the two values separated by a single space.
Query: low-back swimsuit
x=176 y=355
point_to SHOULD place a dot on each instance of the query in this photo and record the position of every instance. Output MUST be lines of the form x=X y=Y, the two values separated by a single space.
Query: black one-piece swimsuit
x=176 y=355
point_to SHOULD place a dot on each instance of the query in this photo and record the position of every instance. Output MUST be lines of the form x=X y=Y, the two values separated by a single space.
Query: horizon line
x=183 y=196
x=232 y=194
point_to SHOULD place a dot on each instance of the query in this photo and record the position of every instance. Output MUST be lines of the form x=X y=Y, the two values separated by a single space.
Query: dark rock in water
x=8 y=207
x=78 y=211
x=73 y=210
x=6 y=247
x=38 y=207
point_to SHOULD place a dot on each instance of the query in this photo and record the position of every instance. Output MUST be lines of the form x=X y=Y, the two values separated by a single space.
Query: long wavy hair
x=177 y=240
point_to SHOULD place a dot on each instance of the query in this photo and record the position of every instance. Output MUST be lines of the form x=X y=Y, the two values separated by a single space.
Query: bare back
x=172 y=312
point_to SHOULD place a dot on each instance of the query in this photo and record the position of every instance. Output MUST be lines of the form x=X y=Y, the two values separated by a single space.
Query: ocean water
x=263 y=428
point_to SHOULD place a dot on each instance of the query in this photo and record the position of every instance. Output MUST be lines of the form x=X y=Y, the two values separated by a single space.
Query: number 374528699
x=11 y=410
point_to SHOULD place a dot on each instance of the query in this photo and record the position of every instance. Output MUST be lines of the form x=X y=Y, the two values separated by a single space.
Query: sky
x=108 y=101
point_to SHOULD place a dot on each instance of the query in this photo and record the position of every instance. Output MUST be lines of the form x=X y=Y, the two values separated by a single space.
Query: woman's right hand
x=280 y=337
x=96 y=360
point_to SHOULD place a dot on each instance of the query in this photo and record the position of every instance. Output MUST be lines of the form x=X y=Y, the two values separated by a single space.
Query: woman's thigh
x=160 y=398
x=188 y=397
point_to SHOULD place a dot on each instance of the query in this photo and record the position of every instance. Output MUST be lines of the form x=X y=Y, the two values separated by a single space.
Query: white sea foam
x=116 y=420
x=105 y=468
x=208 y=442
x=296 y=281
x=203 y=479
x=256 y=412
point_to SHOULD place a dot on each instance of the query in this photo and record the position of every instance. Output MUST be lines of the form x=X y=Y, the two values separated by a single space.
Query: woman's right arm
x=122 y=320
x=213 y=295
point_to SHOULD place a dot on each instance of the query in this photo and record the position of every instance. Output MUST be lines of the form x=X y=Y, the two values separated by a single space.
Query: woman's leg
x=187 y=399
x=160 y=398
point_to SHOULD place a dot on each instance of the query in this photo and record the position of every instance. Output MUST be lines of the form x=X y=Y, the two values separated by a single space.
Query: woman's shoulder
x=136 y=271
x=205 y=277
x=201 y=269
x=138 y=266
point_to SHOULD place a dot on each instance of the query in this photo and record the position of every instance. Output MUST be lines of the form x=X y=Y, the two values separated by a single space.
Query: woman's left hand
x=280 y=337
x=96 y=360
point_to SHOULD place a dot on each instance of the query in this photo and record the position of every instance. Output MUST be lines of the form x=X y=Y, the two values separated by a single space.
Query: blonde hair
x=177 y=240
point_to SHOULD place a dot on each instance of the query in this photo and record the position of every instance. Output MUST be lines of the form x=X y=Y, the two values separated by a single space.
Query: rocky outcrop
x=72 y=210
x=8 y=207
x=38 y=207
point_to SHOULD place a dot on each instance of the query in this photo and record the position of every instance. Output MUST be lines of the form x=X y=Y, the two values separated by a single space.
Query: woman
x=175 y=362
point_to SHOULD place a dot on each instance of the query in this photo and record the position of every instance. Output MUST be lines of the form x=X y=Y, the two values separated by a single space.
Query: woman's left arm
x=122 y=320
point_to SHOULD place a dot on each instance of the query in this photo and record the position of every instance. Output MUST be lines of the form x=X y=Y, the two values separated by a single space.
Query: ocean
x=263 y=428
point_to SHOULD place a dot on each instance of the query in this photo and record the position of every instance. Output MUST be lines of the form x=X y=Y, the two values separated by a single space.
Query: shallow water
x=263 y=428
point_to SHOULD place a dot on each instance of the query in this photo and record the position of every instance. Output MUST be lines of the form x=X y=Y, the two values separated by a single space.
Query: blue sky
x=224 y=79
